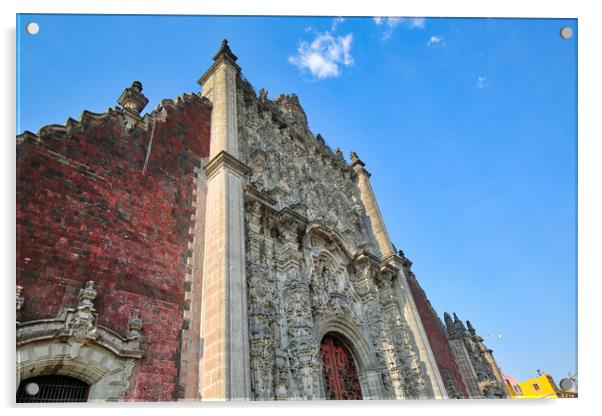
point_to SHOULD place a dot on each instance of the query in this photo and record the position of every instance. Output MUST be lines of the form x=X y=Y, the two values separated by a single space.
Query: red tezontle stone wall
x=436 y=336
x=85 y=211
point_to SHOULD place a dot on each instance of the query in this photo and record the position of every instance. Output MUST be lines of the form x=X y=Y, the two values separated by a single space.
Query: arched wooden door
x=340 y=376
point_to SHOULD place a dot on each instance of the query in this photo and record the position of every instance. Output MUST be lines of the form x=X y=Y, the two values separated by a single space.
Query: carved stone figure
x=311 y=275
x=83 y=323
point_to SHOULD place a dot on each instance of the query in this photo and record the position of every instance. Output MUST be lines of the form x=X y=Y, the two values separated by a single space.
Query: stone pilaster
x=371 y=206
x=219 y=86
x=224 y=325
x=408 y=306
x=467 y=371
x=488 y=356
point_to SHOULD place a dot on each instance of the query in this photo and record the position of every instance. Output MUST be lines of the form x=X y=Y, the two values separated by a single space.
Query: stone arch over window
x=52 y=389
x=72 y=344
x=368 y=371
x=106 y=373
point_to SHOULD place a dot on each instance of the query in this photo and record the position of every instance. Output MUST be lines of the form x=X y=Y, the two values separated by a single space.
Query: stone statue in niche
x=282 y=371
x=258 y=177
x=302 y=346
x=262 y=357
x=262 y=314
x=329 y=279
x=317 y=289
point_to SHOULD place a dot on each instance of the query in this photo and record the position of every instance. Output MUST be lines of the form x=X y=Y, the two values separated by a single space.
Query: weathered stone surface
x=479 y=370
x=307 y=225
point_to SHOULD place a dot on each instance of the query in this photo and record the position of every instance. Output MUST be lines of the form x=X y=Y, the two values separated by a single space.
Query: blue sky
x=468 y=127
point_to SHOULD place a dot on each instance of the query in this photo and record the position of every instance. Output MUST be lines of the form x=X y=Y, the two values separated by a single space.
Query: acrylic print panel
x=222 y=208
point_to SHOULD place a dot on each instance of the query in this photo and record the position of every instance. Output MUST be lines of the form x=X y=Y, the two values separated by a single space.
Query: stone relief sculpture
x=300 y=280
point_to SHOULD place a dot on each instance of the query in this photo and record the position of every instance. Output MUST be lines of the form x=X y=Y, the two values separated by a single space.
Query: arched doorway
x=52 y=389
x=340 y=375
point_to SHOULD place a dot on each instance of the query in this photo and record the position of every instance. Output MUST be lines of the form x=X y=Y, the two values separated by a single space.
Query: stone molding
x=223 y=55
x=107 y=374
x=222 y=159
x=78 y=326
x=54 y=329
x=73 y=344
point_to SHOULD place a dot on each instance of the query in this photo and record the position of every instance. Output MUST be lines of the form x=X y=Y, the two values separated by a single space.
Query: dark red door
x=340 y=377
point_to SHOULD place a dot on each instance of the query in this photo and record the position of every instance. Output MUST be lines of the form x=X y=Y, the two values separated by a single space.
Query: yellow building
x=541 y=387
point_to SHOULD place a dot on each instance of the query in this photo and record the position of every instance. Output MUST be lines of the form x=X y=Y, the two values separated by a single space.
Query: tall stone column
x=407 y=304
x=369 y=200
x=224 y=369
x=389 y=259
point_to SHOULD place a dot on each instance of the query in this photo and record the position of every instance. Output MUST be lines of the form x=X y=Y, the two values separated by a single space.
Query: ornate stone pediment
x=78 y=326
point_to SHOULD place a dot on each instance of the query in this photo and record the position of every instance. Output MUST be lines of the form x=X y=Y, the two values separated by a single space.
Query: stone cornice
x=54 y=328
x=222 y=59
x=393 y=260
x=364 y=255
x=359 y=167
x=251 y=193
x=388 y=267
x=287 y=213
x=225 y=159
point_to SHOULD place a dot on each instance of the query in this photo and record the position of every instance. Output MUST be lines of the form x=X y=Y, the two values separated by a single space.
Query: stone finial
x=137 y=86
x=83 y=324
x=448 y=320
x=455 y=327
x=263 y=94
x=132 y=99
x=86 y=297
x=225 y=51
x=20 y=298
x=320 y=139
x=357 y=163
x=471 y=329
x=134 y=326
x=339 y=153
x=459 y=325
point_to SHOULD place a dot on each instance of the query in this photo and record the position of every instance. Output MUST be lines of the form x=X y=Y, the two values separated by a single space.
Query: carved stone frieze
x=295 y=169
x=308 y=245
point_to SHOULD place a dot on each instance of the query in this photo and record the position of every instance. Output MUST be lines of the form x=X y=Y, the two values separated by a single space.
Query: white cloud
x=482 y=82
x=325 y=55
x=335 y=22
x=433 y=40
x=390 y=23
x=417 y=22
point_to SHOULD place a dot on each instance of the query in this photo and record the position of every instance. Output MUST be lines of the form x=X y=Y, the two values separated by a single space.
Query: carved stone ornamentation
x=302 y=346
x=20 y=298
x=82 y=325
x=482 y=376
x=78 y=326
x=134 y=328
x=282 y=372
x=306 y=224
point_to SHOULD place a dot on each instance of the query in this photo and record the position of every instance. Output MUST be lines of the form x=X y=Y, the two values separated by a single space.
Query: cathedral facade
x=215 y=249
